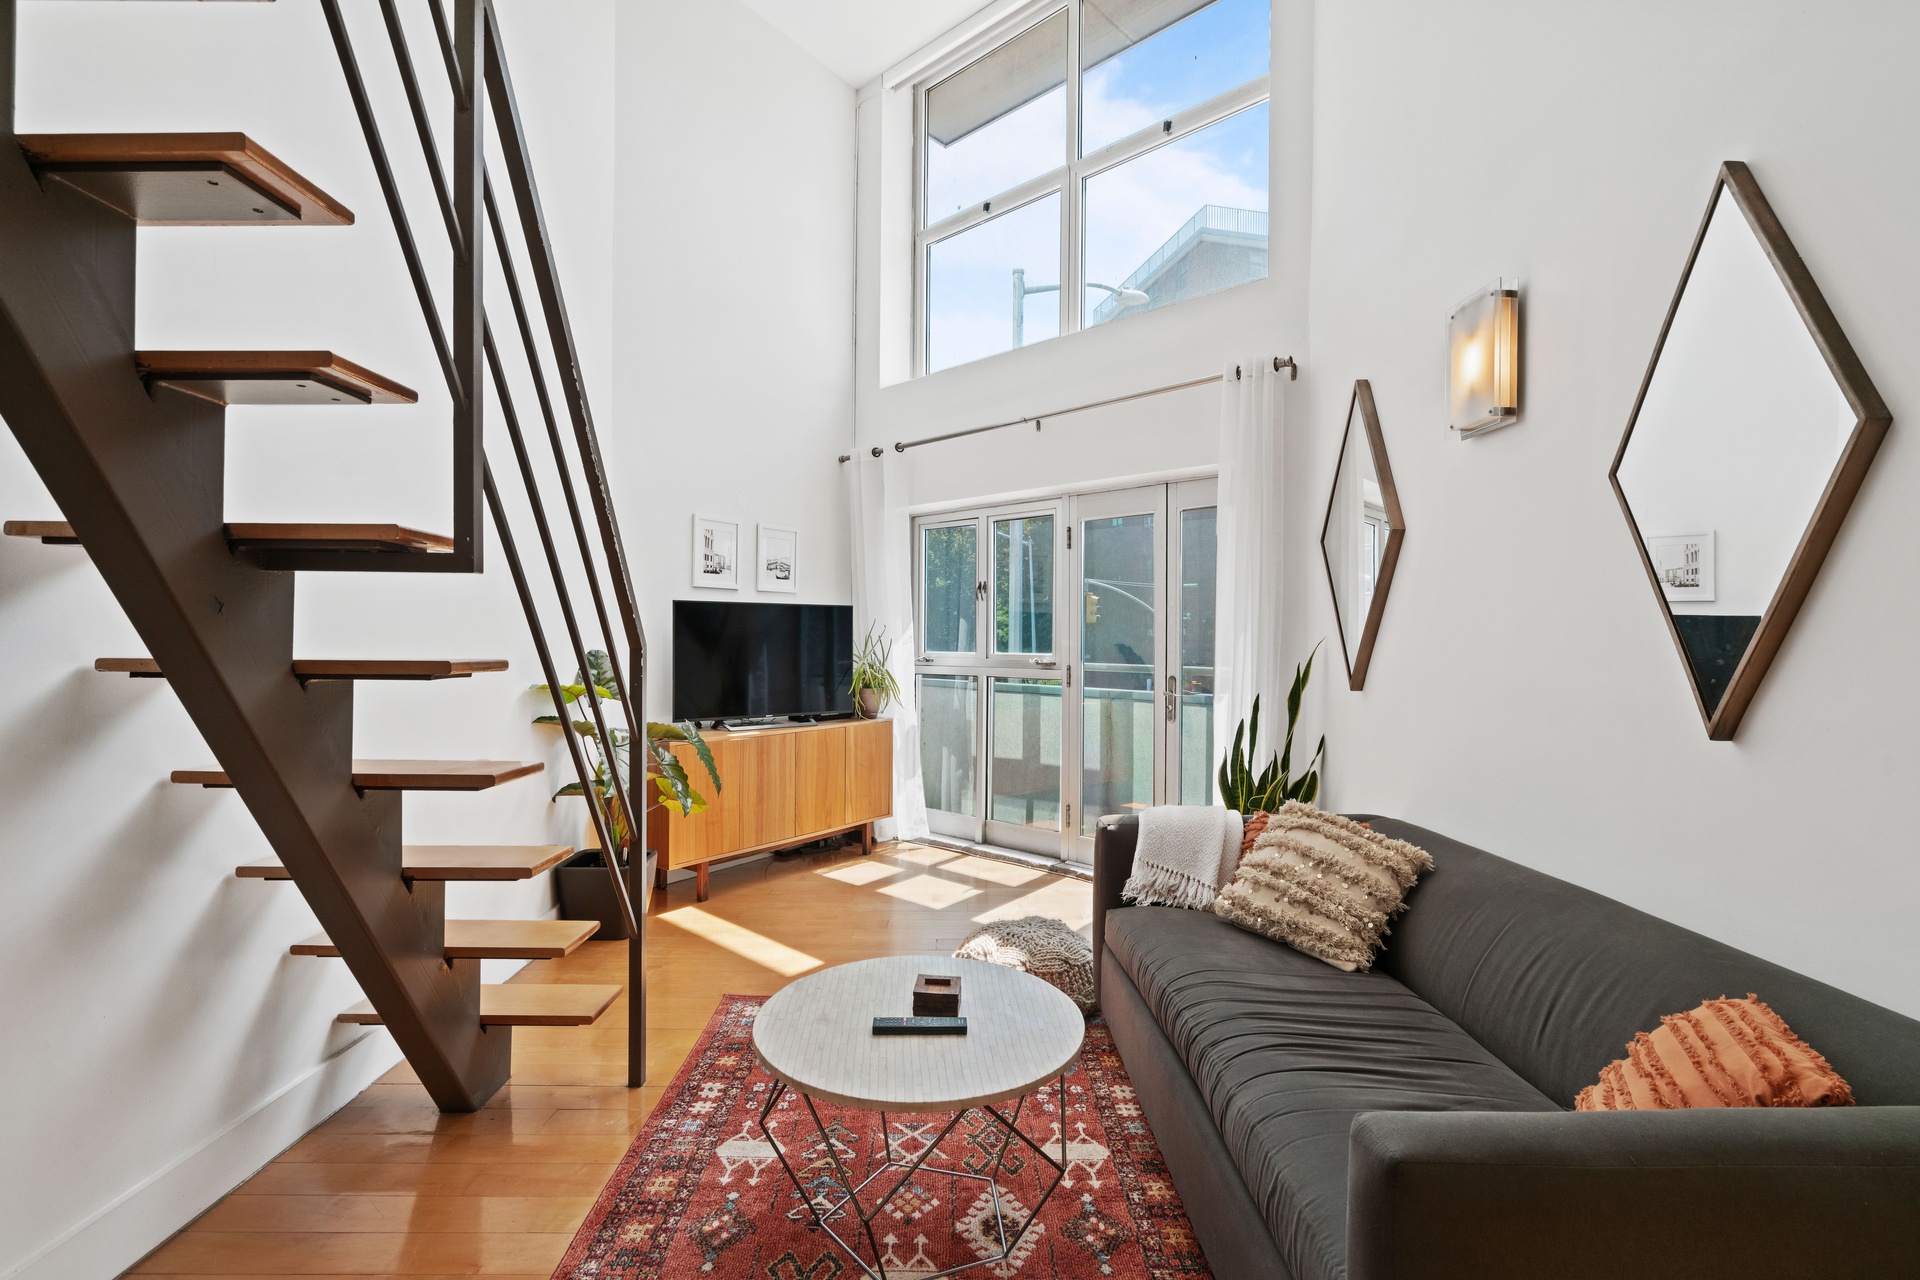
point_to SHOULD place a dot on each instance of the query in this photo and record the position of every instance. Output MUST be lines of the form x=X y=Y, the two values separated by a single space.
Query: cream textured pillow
x=1322 y=885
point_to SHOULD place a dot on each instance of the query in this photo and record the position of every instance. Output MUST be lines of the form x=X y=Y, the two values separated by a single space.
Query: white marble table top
x=816 y=1034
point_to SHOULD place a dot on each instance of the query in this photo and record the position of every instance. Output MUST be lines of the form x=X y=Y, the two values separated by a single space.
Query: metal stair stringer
x=140 y=478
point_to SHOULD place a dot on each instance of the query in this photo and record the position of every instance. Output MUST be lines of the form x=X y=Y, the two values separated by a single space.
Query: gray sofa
x=1415 y=1121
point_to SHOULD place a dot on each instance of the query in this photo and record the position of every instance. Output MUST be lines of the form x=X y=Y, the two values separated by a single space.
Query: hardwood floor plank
x=397 y=1213
x=391 y=1187
x=395 y=1252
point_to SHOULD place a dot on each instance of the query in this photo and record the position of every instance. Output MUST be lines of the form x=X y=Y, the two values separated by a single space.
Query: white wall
x=160 y=1038
x=1524 y=693
x=733 y=304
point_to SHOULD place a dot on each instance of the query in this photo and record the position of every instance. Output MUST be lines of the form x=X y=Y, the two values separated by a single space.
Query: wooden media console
x=781 y=785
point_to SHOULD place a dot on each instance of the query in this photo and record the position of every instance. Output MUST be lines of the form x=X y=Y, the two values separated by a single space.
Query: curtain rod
x=901 y=446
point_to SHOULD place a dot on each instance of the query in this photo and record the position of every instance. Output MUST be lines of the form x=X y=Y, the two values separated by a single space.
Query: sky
x=1131 y=209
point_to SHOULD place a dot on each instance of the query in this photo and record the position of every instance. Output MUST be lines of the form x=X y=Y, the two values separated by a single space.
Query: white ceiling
x=858 y=39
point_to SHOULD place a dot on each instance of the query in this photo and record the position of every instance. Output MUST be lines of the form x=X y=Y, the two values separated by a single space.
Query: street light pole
x=1128 y=298
x=1020 y=306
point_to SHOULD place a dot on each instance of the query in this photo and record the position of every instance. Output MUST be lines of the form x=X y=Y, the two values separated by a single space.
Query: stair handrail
x=475 y=56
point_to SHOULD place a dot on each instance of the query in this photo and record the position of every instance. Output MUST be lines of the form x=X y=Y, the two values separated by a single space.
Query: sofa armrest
x=1114 y=839
x=1748 y=1193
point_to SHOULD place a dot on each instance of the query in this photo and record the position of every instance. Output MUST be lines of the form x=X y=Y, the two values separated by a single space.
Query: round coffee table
x=815 y=1036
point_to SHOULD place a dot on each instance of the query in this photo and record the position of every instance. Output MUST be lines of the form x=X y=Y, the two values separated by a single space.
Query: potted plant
x=1241 y=789
x=873 y=685
x=581 y=881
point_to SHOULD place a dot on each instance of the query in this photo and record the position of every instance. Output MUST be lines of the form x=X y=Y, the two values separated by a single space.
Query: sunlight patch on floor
x=925 y=855
x=931 y=892
x=992 y=872
x=743 y=942
x=857 y=873
x=1059 y=899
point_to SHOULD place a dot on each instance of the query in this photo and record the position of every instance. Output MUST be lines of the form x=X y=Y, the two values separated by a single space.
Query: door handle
x=1043 y=662
x=1173 y=703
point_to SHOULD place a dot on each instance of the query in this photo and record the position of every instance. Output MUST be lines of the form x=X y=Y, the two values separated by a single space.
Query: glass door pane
x=1121 y=554
x=1193 y=730
x=947 y=744
x=1024 y=730
x=1023 y=585
x=949 y=581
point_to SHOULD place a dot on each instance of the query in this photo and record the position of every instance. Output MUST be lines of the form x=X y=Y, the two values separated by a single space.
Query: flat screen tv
x=734 y=660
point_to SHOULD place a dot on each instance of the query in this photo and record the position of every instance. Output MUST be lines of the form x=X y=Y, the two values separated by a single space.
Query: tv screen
x=735 y=660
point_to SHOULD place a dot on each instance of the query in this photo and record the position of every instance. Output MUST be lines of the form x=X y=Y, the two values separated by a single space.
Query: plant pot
x=869 y=704
x=585 y=893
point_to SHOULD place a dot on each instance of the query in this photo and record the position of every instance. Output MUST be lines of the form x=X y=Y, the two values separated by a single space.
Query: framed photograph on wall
x=779 y=559
x=1684 y=564
x=716 y=554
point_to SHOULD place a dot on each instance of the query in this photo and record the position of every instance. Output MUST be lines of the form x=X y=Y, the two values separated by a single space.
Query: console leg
x=700 y=882
x=866 y=839
x=660 y=874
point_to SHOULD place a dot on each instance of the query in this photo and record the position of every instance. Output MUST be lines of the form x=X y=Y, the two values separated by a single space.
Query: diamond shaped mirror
x=1754 y=427
x=1360 y=538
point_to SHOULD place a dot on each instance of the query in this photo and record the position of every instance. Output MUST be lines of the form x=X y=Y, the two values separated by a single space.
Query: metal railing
x=1249 y=223
x=476 y=64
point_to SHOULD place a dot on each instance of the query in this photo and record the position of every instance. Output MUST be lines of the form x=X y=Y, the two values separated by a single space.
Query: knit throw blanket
x=1186 y=853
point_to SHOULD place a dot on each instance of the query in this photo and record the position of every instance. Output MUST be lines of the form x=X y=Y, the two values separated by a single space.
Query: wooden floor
x=390 y=1187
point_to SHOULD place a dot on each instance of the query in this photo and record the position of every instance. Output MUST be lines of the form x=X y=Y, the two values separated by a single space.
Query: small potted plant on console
x=873 y=685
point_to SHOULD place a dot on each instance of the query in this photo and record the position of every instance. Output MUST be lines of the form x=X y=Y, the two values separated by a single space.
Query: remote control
x=919 y=1026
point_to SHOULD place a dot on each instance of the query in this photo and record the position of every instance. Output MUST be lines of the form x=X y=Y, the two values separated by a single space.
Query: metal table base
x=823 y=1209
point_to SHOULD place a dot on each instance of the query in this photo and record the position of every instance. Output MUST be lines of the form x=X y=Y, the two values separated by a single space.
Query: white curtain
x=883 y=594
x=1247 y=657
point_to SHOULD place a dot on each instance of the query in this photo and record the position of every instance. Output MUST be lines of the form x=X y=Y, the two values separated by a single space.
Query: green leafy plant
x=671 y=785
x=870 y=669
x=1240 y=789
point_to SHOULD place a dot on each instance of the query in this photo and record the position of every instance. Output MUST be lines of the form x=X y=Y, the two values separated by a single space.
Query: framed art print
x=779 y=556
x=716 y=554
x=1684 y=564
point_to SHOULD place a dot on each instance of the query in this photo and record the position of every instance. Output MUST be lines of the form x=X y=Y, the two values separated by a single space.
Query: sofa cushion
x=1286 y=1051
x=1554 y=978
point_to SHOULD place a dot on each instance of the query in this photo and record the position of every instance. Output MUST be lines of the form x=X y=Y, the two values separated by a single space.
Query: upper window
x=1053 y=200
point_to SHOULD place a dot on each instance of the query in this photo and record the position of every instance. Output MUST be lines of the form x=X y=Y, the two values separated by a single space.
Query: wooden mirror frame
x=1871 y=420
x=1360 y=655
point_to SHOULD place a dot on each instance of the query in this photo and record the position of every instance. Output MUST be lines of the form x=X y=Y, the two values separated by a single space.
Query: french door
x=1066 y=663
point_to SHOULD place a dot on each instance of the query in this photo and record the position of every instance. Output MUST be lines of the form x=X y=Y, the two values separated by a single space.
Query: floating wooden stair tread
x=337 y=668
x=275 y=537
x=55 y=533
x=491 y=939
x=184 y=179
x=524 y=1004
x=270 y=377
x=448 y=862
x=335 y=537
x=404 y=775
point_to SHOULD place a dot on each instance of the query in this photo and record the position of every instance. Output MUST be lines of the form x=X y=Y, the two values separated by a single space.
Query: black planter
x=585 y=893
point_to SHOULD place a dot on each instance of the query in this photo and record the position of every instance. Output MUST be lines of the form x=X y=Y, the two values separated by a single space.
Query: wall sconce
x=1483 y=372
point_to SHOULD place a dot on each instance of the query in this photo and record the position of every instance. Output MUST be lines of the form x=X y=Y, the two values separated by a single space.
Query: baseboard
x=140 y=1219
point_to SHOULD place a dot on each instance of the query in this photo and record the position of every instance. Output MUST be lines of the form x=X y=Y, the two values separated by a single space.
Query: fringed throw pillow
x=1726 y=1053
x=1322 y=885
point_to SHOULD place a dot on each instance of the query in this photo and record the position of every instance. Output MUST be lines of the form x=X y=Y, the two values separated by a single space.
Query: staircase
x=131 y=445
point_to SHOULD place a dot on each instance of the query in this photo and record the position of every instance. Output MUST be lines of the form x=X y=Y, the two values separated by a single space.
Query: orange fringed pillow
x=1250 y=830
x=1726 y=1053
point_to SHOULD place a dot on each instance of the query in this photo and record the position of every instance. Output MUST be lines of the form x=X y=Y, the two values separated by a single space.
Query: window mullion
x=1071 y=294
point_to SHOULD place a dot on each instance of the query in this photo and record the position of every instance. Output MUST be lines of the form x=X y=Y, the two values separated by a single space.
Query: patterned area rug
x=701 y=1192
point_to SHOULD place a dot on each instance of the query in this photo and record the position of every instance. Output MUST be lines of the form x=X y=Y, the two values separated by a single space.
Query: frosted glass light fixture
x=1483 y=371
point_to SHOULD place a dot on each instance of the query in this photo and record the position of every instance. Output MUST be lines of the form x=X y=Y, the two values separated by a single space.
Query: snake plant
x=1240 y=789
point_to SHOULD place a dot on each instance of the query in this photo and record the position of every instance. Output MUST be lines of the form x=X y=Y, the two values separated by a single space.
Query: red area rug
x=701 y=1193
